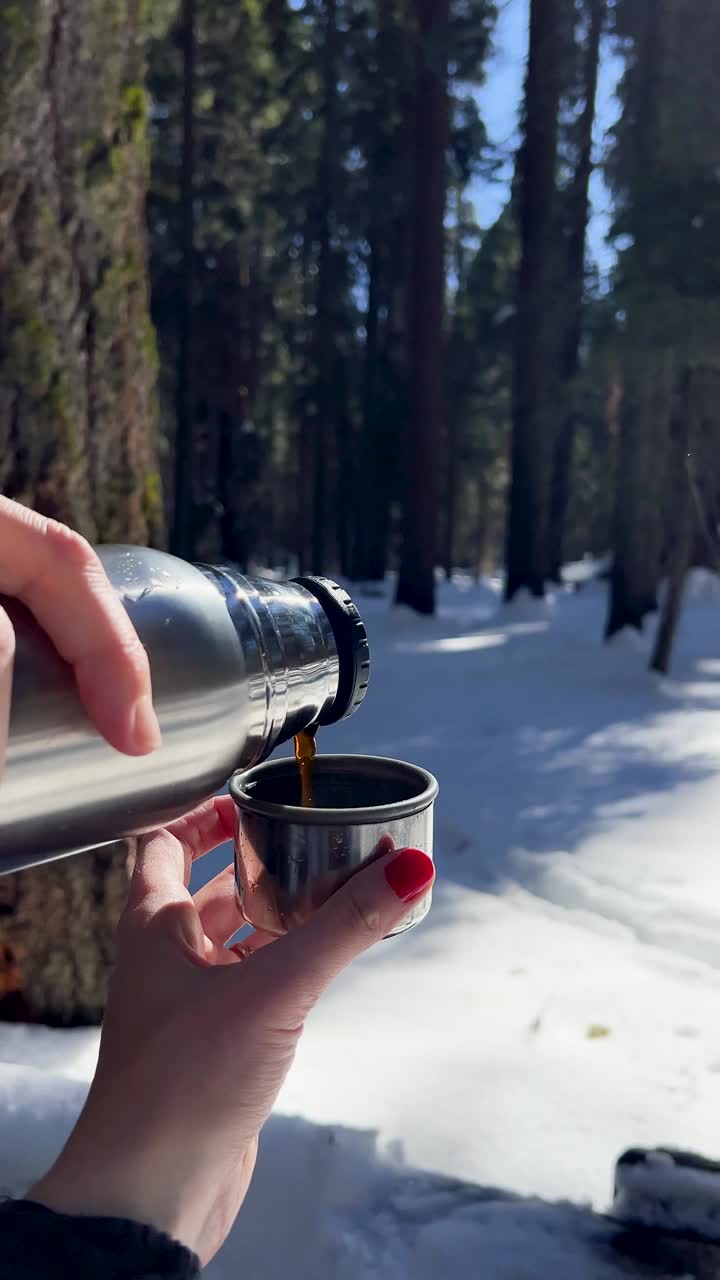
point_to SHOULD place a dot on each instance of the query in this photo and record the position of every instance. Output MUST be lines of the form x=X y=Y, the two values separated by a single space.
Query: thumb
x=7 y=653
x=302 y=963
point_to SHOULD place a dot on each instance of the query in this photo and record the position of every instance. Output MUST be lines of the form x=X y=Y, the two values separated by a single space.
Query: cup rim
x=320 y=817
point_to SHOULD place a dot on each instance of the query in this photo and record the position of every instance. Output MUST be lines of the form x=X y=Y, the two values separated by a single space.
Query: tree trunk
x=77 y=374
x=305 y=435
x=534 y=341
x=346 y=482
x=370 y=489
x=562 y=459
x=326 y=352
x=451 y=487
x=644 y=427
x=232 y=379
x=646 y=409
x=683 y=529
x=482 y=525
x=60 y=932
x=387 y=169
x=703 y=476
x=576 y=230
x=416 y=579
x=183 y=536
x=692 y=521
x=375 y=470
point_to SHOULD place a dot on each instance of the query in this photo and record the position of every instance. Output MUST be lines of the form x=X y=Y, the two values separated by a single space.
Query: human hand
x=58 y=576
x=198 y=1037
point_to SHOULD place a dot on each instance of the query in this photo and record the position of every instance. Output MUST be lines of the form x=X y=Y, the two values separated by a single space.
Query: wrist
x=189 y=1194
x=63 y=1192
x=103 y=1180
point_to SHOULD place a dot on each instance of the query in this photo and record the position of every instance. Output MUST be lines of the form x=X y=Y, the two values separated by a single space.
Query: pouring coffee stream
x=305 y=751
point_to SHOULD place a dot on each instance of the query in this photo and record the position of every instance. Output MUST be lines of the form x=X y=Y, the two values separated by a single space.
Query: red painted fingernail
x=409 y=874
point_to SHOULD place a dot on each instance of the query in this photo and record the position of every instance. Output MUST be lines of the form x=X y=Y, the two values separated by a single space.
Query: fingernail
x=409 y=874
x=144 y=725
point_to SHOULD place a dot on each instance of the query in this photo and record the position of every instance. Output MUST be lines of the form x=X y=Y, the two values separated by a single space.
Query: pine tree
x=664 y=167
x=573 y=217
x=416 y=578
x=381 y=86
x=534 y=362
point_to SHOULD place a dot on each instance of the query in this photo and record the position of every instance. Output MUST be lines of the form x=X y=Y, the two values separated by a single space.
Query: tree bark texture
x=644 y=432
x=183 y=526
x=578 y=210
x=681 y=459
x=647 y=405
x=77 y=382
x=389 y=156
x=58 y=925
x=703 y=474
x=689 y=500
x=534 y=326
x=451 y=492
x=327 y=356
x=368 y=496
x=416 y=578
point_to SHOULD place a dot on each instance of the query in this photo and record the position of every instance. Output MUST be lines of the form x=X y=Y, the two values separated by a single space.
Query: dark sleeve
x=38 y=1244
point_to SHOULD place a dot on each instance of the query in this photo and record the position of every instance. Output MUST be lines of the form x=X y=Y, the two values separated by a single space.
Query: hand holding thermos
x=198 y=1036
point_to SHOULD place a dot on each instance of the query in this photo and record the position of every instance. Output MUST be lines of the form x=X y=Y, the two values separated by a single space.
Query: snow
x=559 y=1004
x=703 y=587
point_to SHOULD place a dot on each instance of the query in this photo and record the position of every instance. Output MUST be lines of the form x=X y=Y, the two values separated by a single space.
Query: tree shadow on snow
x=539 y=737
x=542 y=738
x=325 y=1204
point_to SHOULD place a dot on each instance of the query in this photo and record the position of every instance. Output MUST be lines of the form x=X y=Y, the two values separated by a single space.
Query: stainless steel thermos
x=238 y=665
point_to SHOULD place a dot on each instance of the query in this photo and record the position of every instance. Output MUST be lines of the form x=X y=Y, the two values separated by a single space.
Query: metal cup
x=289 y=860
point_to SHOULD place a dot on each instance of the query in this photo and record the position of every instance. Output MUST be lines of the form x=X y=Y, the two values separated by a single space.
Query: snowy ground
x=561 y=1002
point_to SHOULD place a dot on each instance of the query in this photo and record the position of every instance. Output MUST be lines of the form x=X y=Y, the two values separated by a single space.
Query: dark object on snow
x=37 y=1244
x=668 y=1204
x=662 y=1255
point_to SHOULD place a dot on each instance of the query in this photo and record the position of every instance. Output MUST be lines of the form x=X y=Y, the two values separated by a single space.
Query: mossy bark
x=78 y=416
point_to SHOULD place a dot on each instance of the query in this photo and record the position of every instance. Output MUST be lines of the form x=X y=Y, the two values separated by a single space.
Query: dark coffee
x=336 y=784
x=305 y=756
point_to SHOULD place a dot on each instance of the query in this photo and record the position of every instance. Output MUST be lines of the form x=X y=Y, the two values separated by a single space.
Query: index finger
x=56 y=573
x=164 y=858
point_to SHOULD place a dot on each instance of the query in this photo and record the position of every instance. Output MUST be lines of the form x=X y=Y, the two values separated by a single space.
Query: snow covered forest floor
x=561 y=1002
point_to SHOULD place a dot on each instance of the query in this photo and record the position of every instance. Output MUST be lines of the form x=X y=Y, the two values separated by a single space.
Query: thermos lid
x=351 y=642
